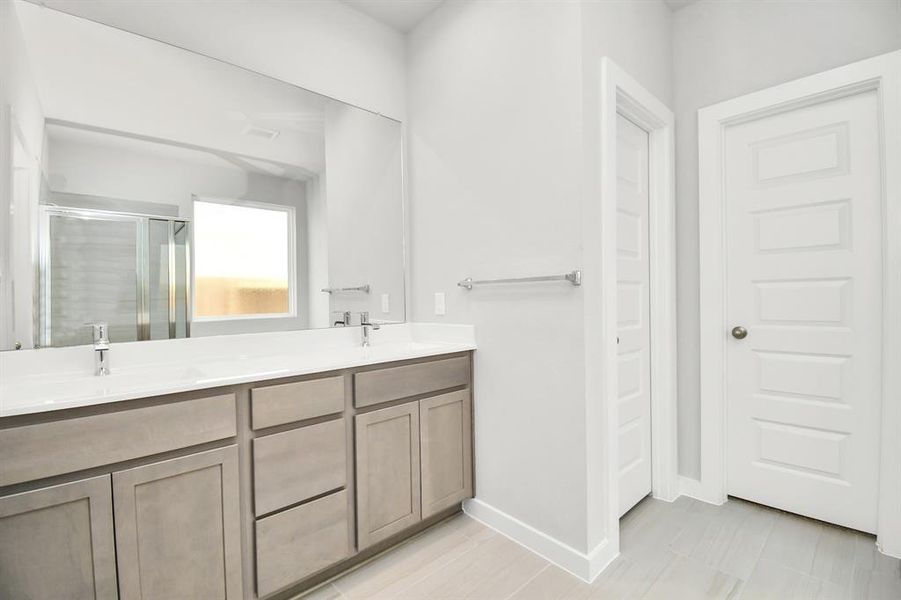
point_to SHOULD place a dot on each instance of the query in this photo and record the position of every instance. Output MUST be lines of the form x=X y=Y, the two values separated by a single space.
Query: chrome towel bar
x=574 y=277
x=360 y=288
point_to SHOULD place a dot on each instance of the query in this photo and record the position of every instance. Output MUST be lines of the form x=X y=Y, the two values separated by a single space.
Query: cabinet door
x=57 y=542
x=388 y=498
x=177 y=528
x=445 y=430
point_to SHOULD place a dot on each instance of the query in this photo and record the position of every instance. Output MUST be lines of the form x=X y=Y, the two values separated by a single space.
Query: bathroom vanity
x=195 y=402
x=255 y=489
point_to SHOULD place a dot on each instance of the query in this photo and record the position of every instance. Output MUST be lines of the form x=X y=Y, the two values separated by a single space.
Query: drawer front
x=374 y=387
x=290 y=402
x=298 y=542
x=293 y=466
x=47 y=449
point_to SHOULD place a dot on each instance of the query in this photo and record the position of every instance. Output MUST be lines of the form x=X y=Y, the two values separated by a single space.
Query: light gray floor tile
x=469 y=572
x=834 y=558
x=772 y=581
x=684 y=550
x=686 y=578
x=793 y=542
x=630 y=578
x=401 y=567
x=553 y=583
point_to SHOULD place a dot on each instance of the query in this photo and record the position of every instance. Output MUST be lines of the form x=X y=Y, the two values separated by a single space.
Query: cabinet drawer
x=289 y=402
x=298 y=542
x=293 y=466
x=47 y=449
x=374 y=387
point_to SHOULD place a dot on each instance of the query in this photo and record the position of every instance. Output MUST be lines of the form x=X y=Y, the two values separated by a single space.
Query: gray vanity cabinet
x=331 y=465
x=387 y=453
x=445 y=432
x=178 y=528
x=57 y=542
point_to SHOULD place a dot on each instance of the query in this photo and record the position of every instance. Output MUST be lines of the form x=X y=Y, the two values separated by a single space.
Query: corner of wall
x=584 y=565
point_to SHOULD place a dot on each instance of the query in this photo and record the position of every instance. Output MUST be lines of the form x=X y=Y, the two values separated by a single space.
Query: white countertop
x=33 y=381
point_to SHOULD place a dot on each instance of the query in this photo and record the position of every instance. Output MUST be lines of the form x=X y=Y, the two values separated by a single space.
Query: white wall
x=726 y=49
x=322 y=45
x=495 y=170
x=498 y=94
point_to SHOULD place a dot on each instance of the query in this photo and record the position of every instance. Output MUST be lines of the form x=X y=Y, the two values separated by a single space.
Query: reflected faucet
x=101 y=348
x=366 y=325
x=344 y=321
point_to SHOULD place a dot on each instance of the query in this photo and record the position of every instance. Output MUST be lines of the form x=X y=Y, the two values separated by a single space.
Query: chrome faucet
x=101 y=348
x=366 y=325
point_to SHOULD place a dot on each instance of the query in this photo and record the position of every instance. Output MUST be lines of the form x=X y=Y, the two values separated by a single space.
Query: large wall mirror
x=172 y=195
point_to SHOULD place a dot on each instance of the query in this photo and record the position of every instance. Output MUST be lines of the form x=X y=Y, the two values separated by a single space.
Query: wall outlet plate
x=440 y=304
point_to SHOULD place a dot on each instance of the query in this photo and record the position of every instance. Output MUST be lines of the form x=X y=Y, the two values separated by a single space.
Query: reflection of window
x=243 y=259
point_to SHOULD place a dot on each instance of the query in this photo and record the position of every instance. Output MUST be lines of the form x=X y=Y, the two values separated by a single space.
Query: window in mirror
x=243 y=260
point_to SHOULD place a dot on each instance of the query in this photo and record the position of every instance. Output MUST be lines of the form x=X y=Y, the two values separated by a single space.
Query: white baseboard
x=582 y=565
x=694 y=489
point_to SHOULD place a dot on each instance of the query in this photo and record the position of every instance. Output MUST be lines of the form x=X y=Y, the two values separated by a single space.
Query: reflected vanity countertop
x=33 y=381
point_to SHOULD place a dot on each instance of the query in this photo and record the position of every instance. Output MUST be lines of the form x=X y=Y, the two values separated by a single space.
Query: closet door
x=633 y=313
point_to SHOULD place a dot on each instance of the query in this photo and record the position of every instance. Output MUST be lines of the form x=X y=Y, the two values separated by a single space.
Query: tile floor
x=677 y=551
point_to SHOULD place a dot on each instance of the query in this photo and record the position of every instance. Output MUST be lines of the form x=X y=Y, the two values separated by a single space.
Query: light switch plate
x=440 y=304
x=386 y=303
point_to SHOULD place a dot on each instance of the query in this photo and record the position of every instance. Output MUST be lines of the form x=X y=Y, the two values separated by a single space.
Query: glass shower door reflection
x=89 y=274
x=167 y=316
x=130 y=271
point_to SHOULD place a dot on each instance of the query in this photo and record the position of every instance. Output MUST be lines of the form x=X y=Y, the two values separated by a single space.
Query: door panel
x=57 y=542
x=804 y=263
x=633 y=314
x=388 y=489
x=445 y=432
x=178 y=528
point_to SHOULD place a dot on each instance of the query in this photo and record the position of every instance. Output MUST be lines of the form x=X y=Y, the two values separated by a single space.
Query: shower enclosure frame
x=142 y=222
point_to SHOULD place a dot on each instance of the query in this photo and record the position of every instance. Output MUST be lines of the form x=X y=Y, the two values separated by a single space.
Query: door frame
x=882 y=74
x=623 y=95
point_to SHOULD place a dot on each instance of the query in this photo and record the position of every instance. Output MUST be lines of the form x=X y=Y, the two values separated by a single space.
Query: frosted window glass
x=241 y=260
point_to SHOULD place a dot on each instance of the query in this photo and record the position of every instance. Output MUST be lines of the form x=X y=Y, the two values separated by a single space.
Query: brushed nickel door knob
x=739 y=332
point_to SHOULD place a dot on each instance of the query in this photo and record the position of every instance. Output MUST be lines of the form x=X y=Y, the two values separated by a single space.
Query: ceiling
x=402 y=15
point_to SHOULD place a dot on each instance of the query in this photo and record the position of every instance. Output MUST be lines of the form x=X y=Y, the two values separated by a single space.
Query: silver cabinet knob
x=739 y=332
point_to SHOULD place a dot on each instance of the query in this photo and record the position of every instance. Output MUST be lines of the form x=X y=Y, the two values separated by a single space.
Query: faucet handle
x=364 y=320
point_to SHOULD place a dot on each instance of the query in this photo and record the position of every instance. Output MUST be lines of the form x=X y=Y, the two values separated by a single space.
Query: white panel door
x=633 y=314
x=804 y=262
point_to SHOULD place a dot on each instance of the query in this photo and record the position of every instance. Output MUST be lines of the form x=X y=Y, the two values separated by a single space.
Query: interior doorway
x=637 y=250
x=800 y=284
